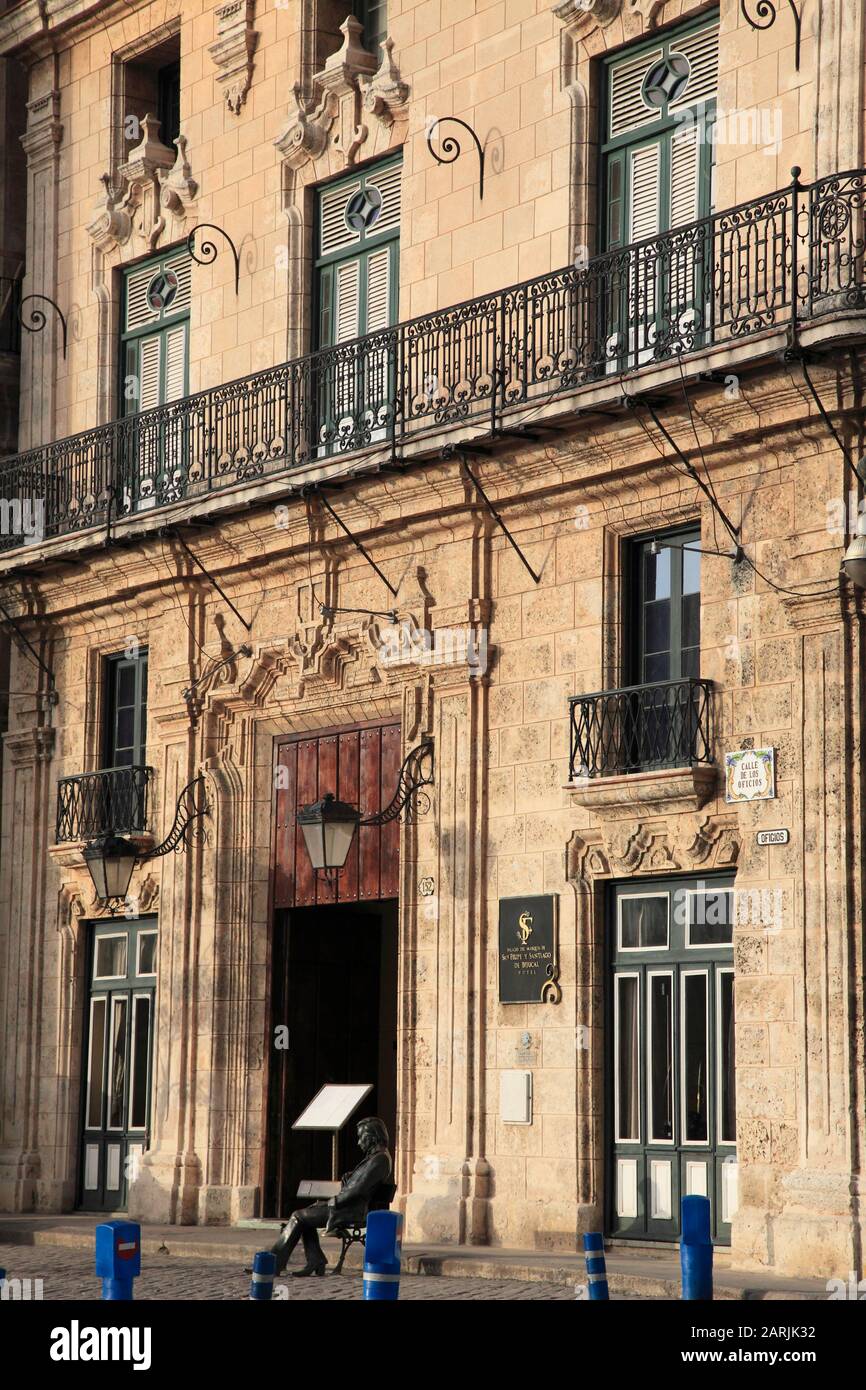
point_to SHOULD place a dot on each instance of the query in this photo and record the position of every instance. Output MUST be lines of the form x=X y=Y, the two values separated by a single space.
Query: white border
x=625 y=975
x=652 y=1141
x=684 y=975
x=631 y=897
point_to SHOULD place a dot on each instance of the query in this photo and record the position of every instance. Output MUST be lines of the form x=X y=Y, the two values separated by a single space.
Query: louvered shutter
x=684 y=176
x=348 y=321
x=645 y=190
x=175 y=363
x=149 y=365
x=628 y=110
x=379 y=290
x=139 y=311
x=644 y=208
x=335 y=234
x=702 y=51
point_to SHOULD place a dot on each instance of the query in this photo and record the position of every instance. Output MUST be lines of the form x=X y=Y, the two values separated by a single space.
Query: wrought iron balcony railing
x=10 y=323
x=763 y=265
x=641 y=727
x=96 y=803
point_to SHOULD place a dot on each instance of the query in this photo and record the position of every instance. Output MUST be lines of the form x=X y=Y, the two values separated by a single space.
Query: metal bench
x=354 y=1233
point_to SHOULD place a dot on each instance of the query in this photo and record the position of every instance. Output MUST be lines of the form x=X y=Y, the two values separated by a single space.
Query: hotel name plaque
x=528 y=951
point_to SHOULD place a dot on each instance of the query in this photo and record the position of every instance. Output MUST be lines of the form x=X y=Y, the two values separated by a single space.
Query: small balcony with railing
x=736 y=287
x=111 y=801
x=643 y=744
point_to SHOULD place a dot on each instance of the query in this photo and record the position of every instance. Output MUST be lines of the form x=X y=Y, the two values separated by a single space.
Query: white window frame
x=150 y=997
x=684 y=975
x=707 y=945
x=94 y=999
x=631 y=897
x=116 y=999
x=144 y=974
x=636 y=976
x=651 y=1140
x=110 y=936
x=720 y=971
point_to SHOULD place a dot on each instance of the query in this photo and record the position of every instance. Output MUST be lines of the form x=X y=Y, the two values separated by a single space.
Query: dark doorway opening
x=334 y=987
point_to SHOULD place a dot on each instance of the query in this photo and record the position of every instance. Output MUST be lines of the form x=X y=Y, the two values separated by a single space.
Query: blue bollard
x=118 y=1258
x=264 y=1272
x=596 y=1269
x=382 y=1253
x=696 y=1251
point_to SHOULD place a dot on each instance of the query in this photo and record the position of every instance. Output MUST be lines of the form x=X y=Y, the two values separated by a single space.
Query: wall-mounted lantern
x=111 y=859
x=329 y=825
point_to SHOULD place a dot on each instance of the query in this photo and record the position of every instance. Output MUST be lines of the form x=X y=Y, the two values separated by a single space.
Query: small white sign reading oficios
x=750 y=774
x=773 y=837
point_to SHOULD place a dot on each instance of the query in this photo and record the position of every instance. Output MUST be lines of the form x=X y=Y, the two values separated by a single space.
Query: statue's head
x=372 y=1134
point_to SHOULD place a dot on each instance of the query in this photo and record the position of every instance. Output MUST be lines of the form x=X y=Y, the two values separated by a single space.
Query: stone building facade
x=552 y=472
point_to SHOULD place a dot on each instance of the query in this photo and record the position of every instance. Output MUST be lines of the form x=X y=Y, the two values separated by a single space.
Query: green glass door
x=672 y=1111
x=118 y=1049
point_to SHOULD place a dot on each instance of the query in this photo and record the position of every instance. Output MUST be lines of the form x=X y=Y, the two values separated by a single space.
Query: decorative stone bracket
x=661 y=793
x=654 y=846
x=582 y=17
x=348 y=86
x=234 y=51
x=154 y=180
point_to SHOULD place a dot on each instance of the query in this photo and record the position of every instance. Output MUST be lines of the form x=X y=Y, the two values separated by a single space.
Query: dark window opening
x=373 y=14
x=168 y=102
x=125 y=727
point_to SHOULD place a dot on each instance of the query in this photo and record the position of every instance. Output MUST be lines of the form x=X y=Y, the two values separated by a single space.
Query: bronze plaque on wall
x=528 y=951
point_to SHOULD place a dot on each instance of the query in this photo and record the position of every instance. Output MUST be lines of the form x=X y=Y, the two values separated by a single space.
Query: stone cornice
x=44 y=130
x=35 y=28
x=29 y=745
x=663 y=793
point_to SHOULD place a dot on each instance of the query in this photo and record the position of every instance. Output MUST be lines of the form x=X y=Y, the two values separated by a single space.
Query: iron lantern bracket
x=766 y=14
x=416 y=772
x=451 y=148
x=192 y=806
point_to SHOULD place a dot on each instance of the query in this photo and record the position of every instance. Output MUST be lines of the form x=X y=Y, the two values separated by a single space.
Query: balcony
x=643 y=743
x=94 y=803
x=745 y=276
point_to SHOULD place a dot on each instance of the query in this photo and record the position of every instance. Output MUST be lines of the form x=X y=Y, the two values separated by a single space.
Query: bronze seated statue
x=348 y=1208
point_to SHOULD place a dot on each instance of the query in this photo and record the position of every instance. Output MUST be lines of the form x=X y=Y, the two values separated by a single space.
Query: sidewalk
x=642 y=1273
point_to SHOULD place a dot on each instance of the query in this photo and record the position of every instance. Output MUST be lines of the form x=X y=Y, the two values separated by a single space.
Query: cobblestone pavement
x=68 y=1274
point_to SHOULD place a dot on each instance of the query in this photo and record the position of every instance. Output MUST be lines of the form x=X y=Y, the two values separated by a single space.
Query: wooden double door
x=333 y=953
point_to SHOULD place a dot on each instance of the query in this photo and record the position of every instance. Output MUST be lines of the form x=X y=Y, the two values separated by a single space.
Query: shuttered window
x=155 y=333
x=657 y=141
x=357 y=265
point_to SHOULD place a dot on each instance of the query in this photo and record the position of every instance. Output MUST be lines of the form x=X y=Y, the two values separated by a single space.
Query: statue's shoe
x=309 y=1270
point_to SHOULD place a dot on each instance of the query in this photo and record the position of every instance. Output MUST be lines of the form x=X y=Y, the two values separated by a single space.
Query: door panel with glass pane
x=119 y=1060
x=672 y=1073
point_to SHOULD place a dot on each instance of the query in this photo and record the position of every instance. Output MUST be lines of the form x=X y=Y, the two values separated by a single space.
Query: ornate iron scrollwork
x=192 y=807
x=416 y=772
x=451 y=148
x=37 y=316
x=208 y=252
x=765 y=16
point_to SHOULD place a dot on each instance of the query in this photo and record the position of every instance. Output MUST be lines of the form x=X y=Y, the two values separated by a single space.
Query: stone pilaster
x=40 y=352
x=25 y=1131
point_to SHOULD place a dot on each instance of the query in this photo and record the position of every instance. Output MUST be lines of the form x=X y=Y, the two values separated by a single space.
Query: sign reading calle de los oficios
x=528 y=951
x=750 y=775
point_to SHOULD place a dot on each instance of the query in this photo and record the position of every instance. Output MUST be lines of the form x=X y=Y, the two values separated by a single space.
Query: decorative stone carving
x=653 y=846
x=153 y=180
x=141 y=173
x=111 y=224
x=583 y=17
x=666 y=792
x=178 y=188
x=234 y=50
x=305 y=137
x=348 y=86
x=387 y=96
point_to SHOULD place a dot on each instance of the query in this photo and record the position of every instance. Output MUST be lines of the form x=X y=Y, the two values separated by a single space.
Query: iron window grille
x=770 y=263
x=639 y=728
x=94 y=803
